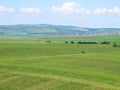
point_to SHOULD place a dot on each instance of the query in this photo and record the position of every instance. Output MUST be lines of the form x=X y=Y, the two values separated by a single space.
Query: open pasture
x=53 y=66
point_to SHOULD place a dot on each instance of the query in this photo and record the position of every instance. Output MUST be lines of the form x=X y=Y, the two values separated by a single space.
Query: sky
x=82 y=13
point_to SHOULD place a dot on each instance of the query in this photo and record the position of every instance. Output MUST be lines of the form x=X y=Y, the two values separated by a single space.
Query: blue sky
x=83 y=13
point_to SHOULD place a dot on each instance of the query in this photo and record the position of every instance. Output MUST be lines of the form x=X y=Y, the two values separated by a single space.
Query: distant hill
x=54 y=30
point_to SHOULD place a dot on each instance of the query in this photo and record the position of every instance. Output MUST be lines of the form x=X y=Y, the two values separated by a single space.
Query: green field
x=32 y=64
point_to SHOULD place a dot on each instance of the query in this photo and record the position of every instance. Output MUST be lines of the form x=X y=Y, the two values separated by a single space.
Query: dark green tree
x=72 y=42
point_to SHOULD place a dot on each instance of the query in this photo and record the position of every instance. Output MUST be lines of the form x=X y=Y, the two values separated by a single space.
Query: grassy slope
x=36 y=66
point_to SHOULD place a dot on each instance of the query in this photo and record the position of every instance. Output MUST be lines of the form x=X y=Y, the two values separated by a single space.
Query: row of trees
x=104 y=42
x=72 y=42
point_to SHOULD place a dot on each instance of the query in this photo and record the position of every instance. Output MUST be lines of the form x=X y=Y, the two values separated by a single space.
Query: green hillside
x=54 y=30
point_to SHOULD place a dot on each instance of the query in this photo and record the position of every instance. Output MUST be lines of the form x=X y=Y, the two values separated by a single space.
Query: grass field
x=32 y=65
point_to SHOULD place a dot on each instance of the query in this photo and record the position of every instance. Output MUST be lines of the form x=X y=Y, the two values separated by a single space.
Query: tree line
x=80 y=42
x=104 y=42
x=88 y=42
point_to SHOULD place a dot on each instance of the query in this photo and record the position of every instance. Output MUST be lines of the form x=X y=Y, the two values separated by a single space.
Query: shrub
x=115 y=45
x=48 y=41
x=83 y=52
x=119 y=46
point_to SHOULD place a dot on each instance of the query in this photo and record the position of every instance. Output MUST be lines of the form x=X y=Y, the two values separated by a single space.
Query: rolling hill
x=54 y=30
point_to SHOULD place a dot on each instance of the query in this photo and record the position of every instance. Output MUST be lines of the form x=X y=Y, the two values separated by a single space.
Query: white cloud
x=83 y=11
x=31 y=10
x=69 y=8
x=73 y=8
x=5 y=9
x=100 y=11
x=114 y=10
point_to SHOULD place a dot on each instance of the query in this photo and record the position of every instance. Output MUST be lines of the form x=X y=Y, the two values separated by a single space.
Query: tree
x=72 y=42
x=105 y=42
x=79 y=42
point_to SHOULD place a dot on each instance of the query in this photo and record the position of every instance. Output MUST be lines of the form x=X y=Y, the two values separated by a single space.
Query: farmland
x=33 y=64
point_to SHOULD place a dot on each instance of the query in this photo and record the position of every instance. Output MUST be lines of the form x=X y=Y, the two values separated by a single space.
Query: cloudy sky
x=83 y=13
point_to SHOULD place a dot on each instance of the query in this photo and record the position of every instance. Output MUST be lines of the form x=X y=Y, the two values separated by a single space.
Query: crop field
x=35 y=65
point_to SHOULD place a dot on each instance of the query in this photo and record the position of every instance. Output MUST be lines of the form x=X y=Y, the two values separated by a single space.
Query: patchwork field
x=33 y=65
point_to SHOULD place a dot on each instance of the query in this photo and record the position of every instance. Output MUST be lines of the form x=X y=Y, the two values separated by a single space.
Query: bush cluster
x=116 y=45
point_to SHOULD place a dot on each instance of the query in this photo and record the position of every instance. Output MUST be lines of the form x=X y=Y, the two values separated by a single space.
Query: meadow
x=33 y=64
